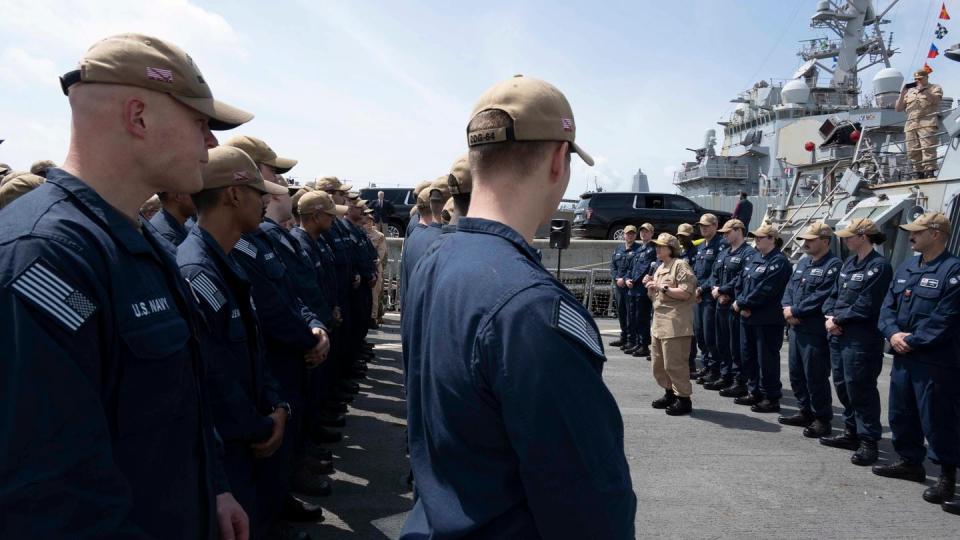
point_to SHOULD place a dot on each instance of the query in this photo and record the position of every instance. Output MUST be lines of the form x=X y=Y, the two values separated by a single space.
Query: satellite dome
x=886 y=87
x=795 y=92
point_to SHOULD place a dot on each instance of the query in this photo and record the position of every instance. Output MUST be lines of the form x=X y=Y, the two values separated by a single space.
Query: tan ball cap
x=817 y=229
x=629 y=229
x=668 y=240
x=41 y=166
x=421 y=186
x=708 y=219
x=312 y=202
x=228 y=166
x=260 y=152
x=540 y=112
x=460 y=181
x=647 y=226
x=423 y=201
x=767 y=229
x=858 y=226
x=439 y=190
x=18 y=184
x=731 y=225
x=154 y=64
x=931 y=220
x=685 y=229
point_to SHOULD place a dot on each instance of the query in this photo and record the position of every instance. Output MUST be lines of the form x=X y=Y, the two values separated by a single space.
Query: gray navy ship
x=817 y=147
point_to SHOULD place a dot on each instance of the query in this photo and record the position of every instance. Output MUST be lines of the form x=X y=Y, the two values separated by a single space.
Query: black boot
x=867 y=453
x=629 y=348
x=902 y=471
x=298 y=510
x=800 y=420
x=818 y=428
x=748 y=400
x=944 y=489
x=303 y=481
x=735 y=390
x=668 y=398
x=952 y=507
x=718 y=384
x=616 y=343
x=709 y=375
x=848 y=440
x=767 y=406
x=642 y=351
x=680 y=407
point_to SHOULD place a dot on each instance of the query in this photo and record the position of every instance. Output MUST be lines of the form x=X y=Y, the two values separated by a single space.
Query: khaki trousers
x=669 y=358
x=922 y=148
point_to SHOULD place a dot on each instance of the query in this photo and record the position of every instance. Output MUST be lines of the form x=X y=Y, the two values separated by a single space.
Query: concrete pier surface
x=723 y=472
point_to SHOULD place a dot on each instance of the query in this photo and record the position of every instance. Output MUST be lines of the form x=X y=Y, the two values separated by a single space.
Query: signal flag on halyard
x=927 y=68
x=940 y=31
x=934 y=51
x=943 y=12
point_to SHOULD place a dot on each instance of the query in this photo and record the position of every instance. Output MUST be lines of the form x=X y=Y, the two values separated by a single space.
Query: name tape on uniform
x=39 y=285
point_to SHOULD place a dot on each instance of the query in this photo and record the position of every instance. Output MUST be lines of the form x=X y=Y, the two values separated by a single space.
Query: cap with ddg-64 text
x=228 y=166
x=540 y=112
x=260 y=152
x=154 y=64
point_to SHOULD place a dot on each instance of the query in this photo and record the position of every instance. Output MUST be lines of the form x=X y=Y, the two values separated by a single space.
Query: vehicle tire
x=392 y=231
x=616 y=233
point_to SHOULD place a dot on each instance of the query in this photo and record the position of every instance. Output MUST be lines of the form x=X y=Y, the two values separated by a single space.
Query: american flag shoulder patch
x=39 y=285
x=245 y=247
x=570 y=321
x=205 y=288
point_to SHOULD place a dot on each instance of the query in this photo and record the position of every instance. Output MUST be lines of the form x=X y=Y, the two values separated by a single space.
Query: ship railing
x=887 y=161
x=826 y=200
x=711 y=170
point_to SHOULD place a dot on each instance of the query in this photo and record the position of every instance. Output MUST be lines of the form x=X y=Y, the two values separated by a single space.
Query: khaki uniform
x=672 y=327
x=379 y=241
x=921 y=126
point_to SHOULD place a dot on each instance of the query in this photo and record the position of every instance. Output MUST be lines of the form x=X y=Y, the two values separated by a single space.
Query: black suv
x=605 y=214
x=403 y=201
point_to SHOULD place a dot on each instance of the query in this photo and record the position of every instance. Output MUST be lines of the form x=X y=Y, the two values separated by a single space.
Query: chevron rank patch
x=42 y=287
x=245 y=247
x=569 y=321
x=205 y=288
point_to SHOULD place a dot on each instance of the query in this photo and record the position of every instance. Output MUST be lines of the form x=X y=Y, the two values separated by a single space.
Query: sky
x=381 y=91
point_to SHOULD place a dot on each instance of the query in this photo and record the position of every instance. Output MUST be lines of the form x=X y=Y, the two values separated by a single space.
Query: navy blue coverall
x=619 y=269
x=924 y=301
x=857 y=353
x=505 y=375
x=762 y=282
x=726 y=273
x=641 y=307
x=705 y=319
x=105 y=428
x=809 y=357
x=169 y=227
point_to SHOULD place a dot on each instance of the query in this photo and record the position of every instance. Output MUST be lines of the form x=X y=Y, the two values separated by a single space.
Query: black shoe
x=305 y=482
x=718 y=384
x=331 y=420
x=952 y=507
x=680 y=407
x=712 y=376
x=629 y=348
x=643 y=351
x=748 y=400
x=316 y=466
x=735 y=390
x=945 y=487
x=847 y=440
x=299 y=510
x=616 y=343
x=767 y=406
x=819 y=428
x=800 y=420
x=317 y=452
x=865 y=455
x=902 y=471
x=324 y=435
x=668 y=399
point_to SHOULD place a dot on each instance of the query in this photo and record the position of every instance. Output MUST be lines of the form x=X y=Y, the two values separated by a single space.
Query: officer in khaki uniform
x=921 y=102
x=672 y=290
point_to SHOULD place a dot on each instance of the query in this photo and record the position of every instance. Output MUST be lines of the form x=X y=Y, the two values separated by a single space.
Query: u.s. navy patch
x=245 y=247
x=204 y=287
x=43 y=288
x=930 y=283
x=568 y=319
